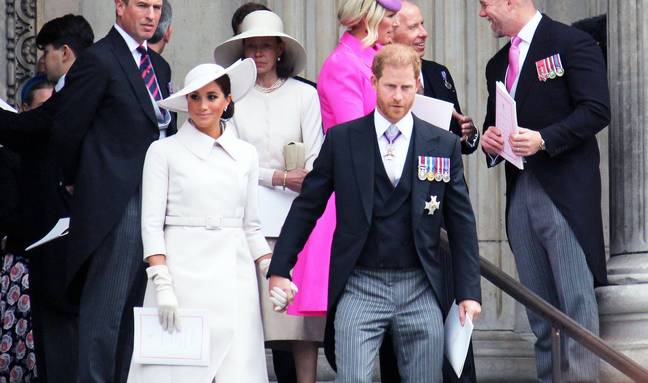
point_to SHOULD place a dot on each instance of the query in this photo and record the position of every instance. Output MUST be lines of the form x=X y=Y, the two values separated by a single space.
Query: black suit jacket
x=42 y=200
x=345 y=166
x=436 y=78
x=103 y=127
x=568 y=111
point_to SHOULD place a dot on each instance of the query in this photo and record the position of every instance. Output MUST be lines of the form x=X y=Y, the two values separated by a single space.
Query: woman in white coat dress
x=200 y=230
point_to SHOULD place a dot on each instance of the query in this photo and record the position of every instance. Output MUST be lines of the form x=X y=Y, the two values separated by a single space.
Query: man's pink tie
x=513 y=62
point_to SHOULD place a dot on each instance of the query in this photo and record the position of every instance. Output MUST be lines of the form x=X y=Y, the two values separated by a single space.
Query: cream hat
x=242 y=76
x=262 y=24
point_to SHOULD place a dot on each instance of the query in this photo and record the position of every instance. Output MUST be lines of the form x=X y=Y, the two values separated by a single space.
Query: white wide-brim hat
x=262 y=24
x=242 y=75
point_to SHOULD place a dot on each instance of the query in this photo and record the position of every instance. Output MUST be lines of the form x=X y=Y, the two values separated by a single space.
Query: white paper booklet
x=153 y=345
x=436 y=112
x=506 y=121
x=59 y=230
x=457 y=339
x=5 y=106
x=274 y=204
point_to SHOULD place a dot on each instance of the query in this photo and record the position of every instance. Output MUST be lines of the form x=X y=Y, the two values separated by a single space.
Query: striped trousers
x=552 y=264
x=115 y=283
x=375 y=301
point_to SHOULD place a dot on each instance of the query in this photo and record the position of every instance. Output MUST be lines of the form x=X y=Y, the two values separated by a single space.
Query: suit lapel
x=362 y=137
x=125 y=60
x=426 y=140
x=528 y=73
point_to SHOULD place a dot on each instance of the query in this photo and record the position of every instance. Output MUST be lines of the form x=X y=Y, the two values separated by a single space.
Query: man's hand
x=294 y=179
x=492 y=141
x=525 y=142
x=282 y=292
x=470 y=308
x=467 y=125
x=69 y=189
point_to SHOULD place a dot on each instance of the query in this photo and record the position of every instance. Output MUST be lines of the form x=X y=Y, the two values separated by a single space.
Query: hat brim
x=232 y=49
x=242 y=76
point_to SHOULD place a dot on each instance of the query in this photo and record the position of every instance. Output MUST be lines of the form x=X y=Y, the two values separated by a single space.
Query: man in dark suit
x=43 y=201
x=557 y=76
x=106 y=121
x=385 y=273
x=435 y=81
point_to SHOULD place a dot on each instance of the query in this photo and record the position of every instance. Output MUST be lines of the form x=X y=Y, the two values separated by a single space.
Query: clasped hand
x=166 y=298
x=524 y=143
x=282 y=292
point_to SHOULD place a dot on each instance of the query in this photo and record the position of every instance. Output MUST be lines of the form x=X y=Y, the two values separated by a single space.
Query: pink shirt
x=344 y=83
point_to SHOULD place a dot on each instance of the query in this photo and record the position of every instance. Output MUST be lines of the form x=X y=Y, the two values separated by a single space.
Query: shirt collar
x=527 y=32
x=130 y=41
x=60 y=84
x=366 y=54
x=405 y=124
x=201 y=144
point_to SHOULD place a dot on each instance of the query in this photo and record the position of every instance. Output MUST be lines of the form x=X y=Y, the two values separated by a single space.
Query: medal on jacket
x=422 y=168
x=432 y=205
x=445 y=80
x=446 y=170
x=438 y=177
x=560 y=71
x=550 y=68
x=542 y=70
x=431 y=169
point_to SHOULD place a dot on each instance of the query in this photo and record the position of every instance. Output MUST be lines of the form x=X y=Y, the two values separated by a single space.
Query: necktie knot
x=392 y=133
x=515 y=41
x=142 y=50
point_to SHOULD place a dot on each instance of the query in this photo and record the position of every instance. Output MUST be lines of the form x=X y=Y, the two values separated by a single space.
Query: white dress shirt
x=394 y=164
x=526 y=35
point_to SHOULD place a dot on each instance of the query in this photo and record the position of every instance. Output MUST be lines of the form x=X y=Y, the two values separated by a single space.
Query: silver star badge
x=432 y=205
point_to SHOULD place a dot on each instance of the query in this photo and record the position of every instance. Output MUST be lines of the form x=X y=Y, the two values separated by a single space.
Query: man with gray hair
x=163 y=33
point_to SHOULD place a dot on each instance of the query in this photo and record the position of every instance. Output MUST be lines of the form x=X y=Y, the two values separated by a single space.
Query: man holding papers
x=394 y=177
x=557 y=77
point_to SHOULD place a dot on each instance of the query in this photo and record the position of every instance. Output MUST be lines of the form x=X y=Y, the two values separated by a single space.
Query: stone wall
x=459 y=39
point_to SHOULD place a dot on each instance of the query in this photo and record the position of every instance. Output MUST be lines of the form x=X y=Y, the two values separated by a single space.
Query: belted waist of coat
x=209 y=222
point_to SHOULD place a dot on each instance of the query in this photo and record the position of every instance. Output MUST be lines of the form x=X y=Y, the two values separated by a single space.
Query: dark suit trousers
x=114 y=284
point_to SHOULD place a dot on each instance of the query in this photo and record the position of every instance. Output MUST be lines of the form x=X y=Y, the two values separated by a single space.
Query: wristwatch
x=542 y=144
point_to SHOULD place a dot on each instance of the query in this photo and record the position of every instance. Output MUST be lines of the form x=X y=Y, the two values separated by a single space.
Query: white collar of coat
x=201 y=144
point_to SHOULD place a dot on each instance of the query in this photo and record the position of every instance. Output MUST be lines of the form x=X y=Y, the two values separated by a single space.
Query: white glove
x=166 y=298
x=279 y=298
x=264 y=264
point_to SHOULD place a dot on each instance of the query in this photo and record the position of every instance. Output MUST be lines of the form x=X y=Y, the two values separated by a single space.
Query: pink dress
x=345 y=91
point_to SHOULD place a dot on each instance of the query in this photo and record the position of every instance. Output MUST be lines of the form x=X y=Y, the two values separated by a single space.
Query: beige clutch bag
x=293 y=153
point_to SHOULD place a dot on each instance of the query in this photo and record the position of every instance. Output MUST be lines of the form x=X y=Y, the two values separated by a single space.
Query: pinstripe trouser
x=551 y=263
x=115 y=283
x=375 y=301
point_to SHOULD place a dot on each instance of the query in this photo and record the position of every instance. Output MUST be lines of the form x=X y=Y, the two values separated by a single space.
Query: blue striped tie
x=148 y=75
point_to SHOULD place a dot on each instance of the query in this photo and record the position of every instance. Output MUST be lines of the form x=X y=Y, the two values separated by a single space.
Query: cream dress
x=192 y=175
x=290 y=113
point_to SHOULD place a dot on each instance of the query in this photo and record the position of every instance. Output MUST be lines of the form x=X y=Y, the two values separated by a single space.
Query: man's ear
x=374 y=82
x=68 y=53
x=167 y=35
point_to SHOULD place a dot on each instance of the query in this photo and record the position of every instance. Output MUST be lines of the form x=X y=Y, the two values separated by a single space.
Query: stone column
x=624 y=307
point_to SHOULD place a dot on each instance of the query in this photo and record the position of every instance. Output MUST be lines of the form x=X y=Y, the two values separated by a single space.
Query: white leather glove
x=166 y=298
x=279 y=298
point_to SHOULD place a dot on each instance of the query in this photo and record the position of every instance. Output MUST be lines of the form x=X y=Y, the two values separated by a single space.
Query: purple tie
x=513 y=63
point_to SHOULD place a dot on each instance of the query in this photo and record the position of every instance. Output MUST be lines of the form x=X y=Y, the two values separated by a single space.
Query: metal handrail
x=561 y=322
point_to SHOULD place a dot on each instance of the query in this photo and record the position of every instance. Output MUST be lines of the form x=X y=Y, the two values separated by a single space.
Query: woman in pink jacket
x=344 y=83
x=345 y=92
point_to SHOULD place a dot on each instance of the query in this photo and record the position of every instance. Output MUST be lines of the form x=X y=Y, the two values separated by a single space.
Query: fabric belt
x=209 y=222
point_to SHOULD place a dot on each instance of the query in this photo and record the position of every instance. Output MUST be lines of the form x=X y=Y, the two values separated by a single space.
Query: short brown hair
x=396 y=55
